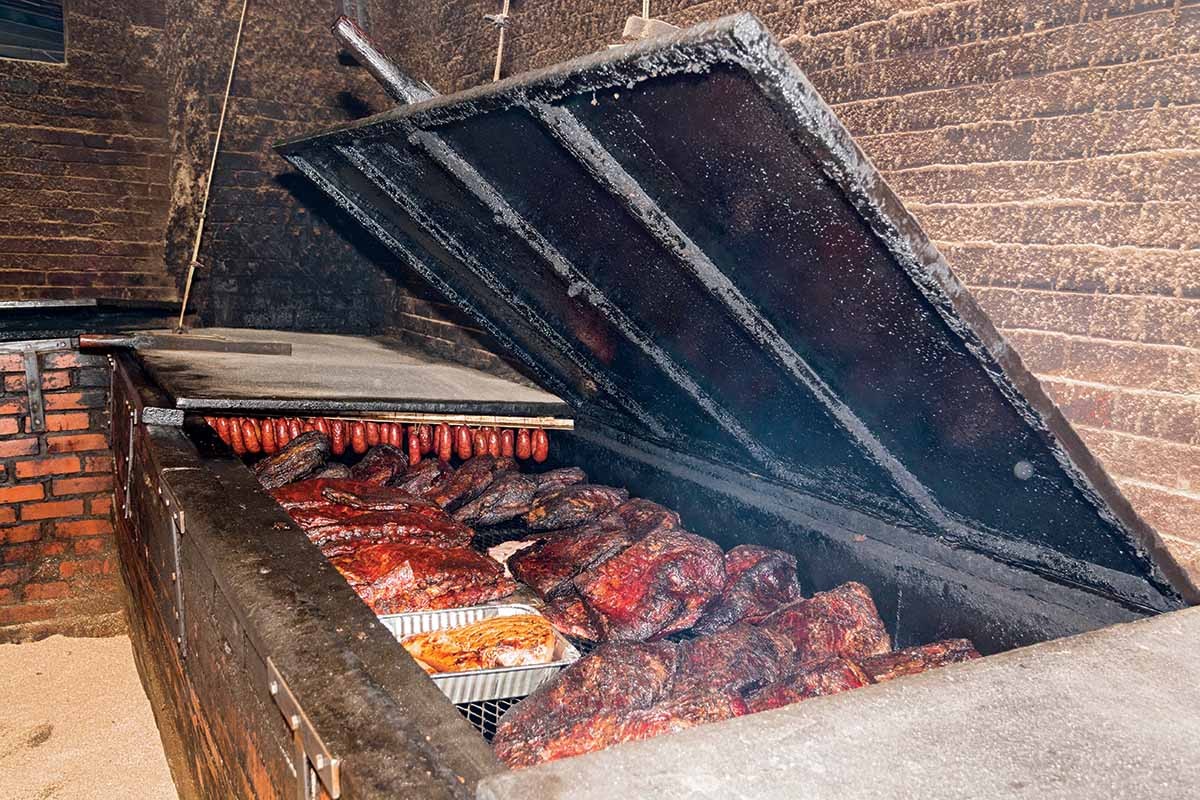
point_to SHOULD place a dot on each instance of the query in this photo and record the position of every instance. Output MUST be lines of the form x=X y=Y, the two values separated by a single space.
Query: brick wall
x=1051 y=149
x=83 y=161
x=57 y=568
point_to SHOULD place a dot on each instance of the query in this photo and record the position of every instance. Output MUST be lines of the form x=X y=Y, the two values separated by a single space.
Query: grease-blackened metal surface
x=681 y=240
x=335 y=374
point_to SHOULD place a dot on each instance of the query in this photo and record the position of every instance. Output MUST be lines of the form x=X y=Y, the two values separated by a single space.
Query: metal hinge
x=175 y=514
x=313 y=761
x=31 y=351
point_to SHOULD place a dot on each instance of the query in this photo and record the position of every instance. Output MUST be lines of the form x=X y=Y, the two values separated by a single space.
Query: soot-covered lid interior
x=682 y=241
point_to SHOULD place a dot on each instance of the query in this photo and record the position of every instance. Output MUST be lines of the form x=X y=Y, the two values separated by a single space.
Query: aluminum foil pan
x=482 y=684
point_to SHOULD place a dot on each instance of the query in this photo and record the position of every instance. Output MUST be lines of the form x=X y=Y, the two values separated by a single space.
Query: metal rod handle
x=399 y=86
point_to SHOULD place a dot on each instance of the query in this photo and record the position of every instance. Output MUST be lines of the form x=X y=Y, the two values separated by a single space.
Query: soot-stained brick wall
x=1050 y=149
x=275 y=253
x=83 y=160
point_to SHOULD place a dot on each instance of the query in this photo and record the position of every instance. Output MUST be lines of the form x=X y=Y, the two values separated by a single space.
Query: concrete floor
x=76 y=725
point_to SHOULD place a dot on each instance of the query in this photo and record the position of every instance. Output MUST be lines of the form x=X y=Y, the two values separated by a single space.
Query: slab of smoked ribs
x=570 y=506
x=393 y=578
x=509 y=496
x=469 y=480
x=388 y=526
x=382 y=465
x=422 y=478
x=340 y=515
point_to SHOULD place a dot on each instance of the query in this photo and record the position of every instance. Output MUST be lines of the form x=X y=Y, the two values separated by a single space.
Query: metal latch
x=313 y=760
x=31 y=351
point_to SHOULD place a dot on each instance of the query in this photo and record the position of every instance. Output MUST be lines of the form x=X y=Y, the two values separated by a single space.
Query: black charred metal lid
x=680 y=239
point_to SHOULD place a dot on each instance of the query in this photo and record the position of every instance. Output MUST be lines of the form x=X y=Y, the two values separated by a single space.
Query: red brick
x=52 y=549
x=11 y=576
x=73 y=443
x=83 y=527
x=19 y=553
x=76 y=421
x=59 y=402
x=7 y=514
x=13 y=362
x=91 y=566
x=93 y=483
x=100 y=506
x=86 y=547
x=98 y=464
x=60 y=379
x=65 y=360
x=12 y=406
x=19 y=494
x=6 y=596
x=9 y=426
x=19 y=447
x=12 y=615
x=47 y=591
x=52 y=509
x=36 y=468
x=18 y=534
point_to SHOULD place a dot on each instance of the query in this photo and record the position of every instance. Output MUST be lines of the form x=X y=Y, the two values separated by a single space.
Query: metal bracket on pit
x=313 y=760
x=176 y=515
x=31 y=351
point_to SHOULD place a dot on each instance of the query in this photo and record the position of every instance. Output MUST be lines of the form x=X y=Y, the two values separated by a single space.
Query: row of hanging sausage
x=252 y=435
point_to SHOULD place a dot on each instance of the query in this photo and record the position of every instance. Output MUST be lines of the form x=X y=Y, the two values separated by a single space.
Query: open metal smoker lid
x=681 y=240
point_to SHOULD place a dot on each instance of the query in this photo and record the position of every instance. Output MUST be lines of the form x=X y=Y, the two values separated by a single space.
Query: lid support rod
x=397 y=83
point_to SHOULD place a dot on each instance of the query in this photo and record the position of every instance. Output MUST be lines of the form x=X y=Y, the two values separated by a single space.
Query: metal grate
x=485 y=714
x=490 y=537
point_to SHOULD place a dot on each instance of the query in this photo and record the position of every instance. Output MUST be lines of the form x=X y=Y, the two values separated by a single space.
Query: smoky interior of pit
x=919 y=608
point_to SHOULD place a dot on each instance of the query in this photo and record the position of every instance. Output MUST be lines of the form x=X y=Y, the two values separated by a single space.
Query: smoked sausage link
x=283 y=433
x=358 y=437
x=268 y=436
x=493 y=442
x=414 y=446
x=250 y=436
x=445 y=444
x=371 y=430
x=235 y=436
x=541 y=446
x=222 y=427
x=425 y=434
x=507 y=443
x=524 y=444
x=337 y=434
x=462 y=442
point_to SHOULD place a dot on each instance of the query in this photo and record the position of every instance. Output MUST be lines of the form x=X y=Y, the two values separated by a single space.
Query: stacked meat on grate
x=396 y=545
x=831 y=642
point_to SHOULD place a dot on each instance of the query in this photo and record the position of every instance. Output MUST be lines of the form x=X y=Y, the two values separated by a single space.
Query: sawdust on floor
x=76 y=725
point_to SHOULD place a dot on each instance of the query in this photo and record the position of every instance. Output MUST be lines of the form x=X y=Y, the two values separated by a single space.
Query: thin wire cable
x=500 y=44
x=212 y=166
